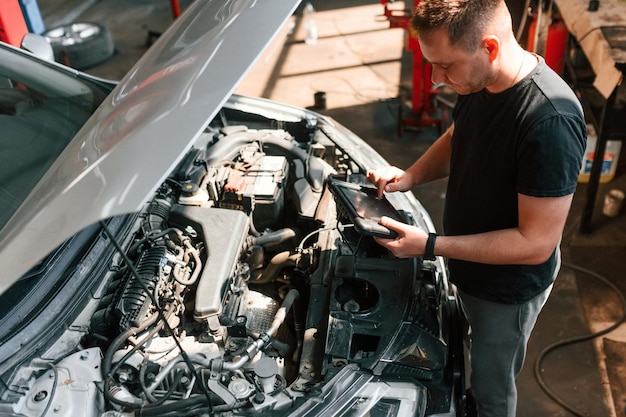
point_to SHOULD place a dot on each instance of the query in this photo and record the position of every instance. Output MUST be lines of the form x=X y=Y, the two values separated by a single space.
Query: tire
x=81 y=45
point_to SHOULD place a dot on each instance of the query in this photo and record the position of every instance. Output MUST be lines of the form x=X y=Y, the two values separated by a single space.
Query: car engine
x=243 y=288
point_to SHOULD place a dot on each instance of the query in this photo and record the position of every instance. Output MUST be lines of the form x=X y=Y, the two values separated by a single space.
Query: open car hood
x=144 y=127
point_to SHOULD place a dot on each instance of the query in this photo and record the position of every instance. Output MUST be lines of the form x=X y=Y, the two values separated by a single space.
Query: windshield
x=41 y=109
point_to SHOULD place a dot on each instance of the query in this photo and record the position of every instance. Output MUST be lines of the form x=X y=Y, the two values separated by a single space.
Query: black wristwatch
x=429 y=253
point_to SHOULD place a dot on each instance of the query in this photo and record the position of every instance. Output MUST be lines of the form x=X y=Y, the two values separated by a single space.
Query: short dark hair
x=465 y=20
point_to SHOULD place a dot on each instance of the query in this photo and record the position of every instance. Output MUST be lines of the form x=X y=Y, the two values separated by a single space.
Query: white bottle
x=310 y=26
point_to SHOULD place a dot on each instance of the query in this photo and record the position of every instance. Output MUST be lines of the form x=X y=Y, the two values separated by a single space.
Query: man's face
x=464 y=72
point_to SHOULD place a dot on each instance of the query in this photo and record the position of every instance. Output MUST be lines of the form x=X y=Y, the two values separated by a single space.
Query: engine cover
x=224 y=232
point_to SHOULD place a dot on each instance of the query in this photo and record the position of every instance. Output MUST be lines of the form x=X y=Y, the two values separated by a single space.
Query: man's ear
x=492 y=46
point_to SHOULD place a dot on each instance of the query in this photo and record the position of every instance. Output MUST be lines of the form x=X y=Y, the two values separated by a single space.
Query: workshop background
x=361 y=69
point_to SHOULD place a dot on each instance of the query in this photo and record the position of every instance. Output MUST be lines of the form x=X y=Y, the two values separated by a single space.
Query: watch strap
x=429 y=252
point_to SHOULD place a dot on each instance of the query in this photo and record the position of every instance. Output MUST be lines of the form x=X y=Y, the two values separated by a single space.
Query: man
x=512 y=157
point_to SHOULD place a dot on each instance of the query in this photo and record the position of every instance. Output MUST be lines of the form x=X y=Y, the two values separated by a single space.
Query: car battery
x=258 y=189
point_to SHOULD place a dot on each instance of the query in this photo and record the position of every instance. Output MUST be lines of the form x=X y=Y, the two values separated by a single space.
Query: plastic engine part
x=224 y=232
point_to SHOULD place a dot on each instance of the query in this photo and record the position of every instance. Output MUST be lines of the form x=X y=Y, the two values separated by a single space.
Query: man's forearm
x=499 y=247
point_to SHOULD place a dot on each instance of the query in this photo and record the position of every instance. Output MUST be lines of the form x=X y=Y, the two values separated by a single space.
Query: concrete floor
x=363 y=67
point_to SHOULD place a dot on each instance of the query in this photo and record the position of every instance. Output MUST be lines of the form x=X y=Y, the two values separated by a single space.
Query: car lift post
x=175 y=5
x=12 y=23
x=422 y=106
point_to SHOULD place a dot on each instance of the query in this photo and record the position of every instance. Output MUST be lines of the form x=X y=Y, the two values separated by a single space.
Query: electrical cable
x=162 y=317
x=538 y=373
x=53 y=390
x=300 y=247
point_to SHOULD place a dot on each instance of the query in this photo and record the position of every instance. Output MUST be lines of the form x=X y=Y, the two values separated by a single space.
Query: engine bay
x=243 y=287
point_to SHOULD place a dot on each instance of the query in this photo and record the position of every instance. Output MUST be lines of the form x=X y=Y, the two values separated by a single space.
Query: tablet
x=363 y=208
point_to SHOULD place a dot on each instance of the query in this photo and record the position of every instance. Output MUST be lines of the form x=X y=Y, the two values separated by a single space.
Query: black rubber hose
x=538 y=373
x=183 y=353
x=160 y=401
x=53 y=390
x=119 y=340
x=108 y=370
x=274 y=238
x=178 y=407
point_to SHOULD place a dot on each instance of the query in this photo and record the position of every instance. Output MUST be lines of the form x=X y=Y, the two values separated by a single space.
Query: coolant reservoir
x=609 y=163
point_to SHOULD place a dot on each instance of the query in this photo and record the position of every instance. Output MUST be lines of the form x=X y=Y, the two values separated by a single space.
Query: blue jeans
x=498 y=337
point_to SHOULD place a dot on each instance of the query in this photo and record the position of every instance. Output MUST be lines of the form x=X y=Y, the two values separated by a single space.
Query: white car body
x=162 y=205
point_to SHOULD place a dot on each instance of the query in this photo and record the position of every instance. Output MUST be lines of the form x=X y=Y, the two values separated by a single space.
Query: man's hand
x=390 y=179
x=541 y=221
x=410 y=242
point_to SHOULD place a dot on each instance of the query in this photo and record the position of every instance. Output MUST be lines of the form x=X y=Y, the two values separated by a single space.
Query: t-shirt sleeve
x=549 y=157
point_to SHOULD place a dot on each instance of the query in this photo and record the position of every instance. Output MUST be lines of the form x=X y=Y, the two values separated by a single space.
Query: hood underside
x=144 y=127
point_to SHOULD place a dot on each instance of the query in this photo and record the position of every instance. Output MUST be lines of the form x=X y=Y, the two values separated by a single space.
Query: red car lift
x=175 y=5
x=12 y=23
x=422 y=105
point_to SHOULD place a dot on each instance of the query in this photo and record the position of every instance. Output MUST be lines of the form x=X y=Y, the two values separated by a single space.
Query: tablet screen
x=364 y=209
x=367 y=205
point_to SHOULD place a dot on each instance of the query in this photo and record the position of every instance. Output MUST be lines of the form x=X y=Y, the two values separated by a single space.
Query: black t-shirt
x=529 y=139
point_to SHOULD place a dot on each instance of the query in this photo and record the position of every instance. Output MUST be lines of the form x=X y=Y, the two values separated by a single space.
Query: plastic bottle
x=609 y=162
x=310 y=26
